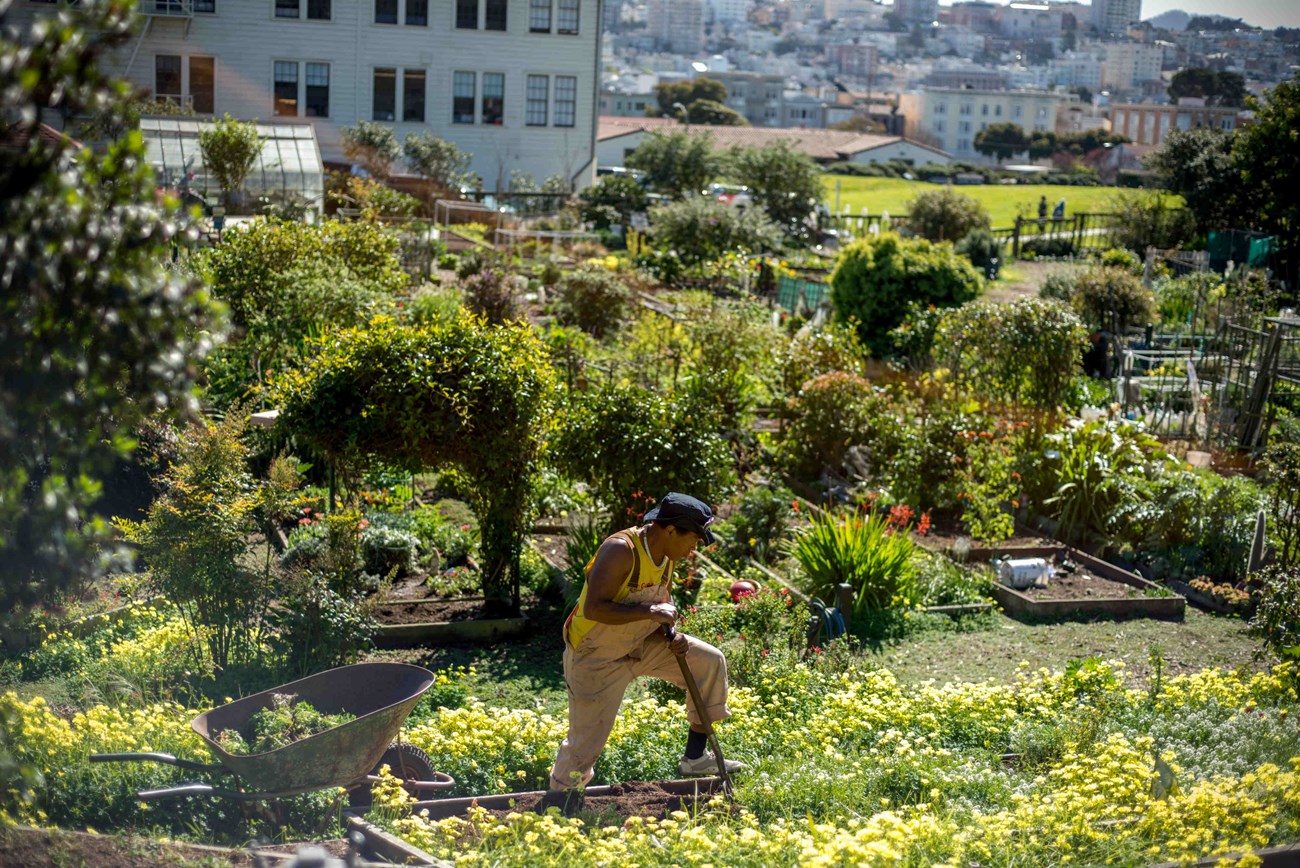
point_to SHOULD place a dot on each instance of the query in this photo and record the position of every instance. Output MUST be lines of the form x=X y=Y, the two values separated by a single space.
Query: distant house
x=616 y=138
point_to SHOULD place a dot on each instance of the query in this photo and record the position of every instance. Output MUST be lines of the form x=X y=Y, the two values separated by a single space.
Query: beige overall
x=607 y=658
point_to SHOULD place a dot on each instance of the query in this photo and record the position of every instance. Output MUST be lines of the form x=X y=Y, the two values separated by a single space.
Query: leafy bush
x=1277 y=619
x=943 y=582
x=491 y=294
x=946 y=215
x=612 y=200
x=1186 y=303
x=630 y=443
x=1150 y=220
x=983 y=249
x=698 y=229
x=1025 y=352
x=593 y=299
x=758 y=528
x=195 y=541
x=729 y=356
x=1111 y=299
x=1118 y=257
x=831 y=414
x=1058 y=286
x=1281 y=466
x=434 y=304
x=875 y=279
x=387 y=550
x=811 y=353
x=870 y=554
x=372 y=145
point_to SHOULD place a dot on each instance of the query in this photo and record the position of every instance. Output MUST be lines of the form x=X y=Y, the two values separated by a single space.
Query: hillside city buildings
x=523 y=85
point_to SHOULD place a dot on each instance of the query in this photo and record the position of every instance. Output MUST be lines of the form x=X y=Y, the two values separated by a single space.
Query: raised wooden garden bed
x=628 y=799
x=1096 y=588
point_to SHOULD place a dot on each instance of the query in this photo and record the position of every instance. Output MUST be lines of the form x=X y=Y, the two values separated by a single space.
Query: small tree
x=1111 y=299
x=714 y=114
x=438 y=160
x=230 y=148
x=96 y=332
x=594 y=300
x=677 y=163
x=1200 y=166
x=613 y=199
x=670 y=94
x=785 y=183
x=373 y=146
x=945 y=215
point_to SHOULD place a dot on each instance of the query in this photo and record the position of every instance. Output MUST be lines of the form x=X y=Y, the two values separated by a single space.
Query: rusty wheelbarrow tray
x=380 y=695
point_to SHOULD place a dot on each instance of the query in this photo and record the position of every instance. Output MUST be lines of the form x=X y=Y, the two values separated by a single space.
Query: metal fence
x=1064 y=236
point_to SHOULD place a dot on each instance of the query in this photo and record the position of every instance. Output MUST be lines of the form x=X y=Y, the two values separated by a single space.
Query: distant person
x=1058 y=213
x=1042 y=208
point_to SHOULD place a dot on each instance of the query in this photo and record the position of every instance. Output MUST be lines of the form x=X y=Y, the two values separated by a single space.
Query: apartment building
x=1149 y=124
x=949 y=118
x=755 y=95
x=1131 y=64
x=511 y=82
x=1113 y=17
x=676 y=26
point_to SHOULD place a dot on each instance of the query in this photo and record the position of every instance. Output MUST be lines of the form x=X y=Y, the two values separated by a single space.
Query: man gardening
x=613 y=635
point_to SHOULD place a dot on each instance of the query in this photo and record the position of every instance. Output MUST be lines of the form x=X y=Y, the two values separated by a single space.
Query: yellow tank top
x=646 y=582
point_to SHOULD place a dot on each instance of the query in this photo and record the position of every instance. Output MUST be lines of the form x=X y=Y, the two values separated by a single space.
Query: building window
x=539 y=16
x=318 y=10
x=467 y=14
x=413 y=95
x=203 y=80
x=286 y=8
x=286 y=88
x=417 y=13
x=938 y=126
x=1017 y=111
x=318 y=90
x=385 y=95
x=209 y=6
x=167 y=78
x=1042 y=112
x=997 y=111
x=963 y=127
x=566 y=17
x=566 y=100
x=494 y=97
x=385 y=11
x=494 y=16
x=984 y=109
x=966 y=109
x=538 y=87
x=941 y=108
x=462 y=98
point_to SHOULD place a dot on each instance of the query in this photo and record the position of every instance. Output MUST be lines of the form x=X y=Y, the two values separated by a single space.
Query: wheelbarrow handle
x=443 y=781
x=165 y=758
x=197 y=789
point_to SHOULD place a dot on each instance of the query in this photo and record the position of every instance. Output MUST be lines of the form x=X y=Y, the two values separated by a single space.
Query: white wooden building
x=512 y=82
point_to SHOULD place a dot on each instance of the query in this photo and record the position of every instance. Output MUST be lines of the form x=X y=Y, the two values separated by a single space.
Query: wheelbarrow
x=380 y=695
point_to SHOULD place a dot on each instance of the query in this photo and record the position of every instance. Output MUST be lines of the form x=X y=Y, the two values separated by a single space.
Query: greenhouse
x=289 y=165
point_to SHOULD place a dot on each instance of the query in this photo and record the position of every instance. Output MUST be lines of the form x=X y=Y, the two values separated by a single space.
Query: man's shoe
x=707 y=764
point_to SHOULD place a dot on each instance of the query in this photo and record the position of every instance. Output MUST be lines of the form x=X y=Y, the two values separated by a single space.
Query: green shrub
x=632 y=445
x=612 y=200
x=759 y=526
x=1186 y=303
x=983 y=249
x=434 y=304
x=1094 y=467
x=1150 y=220
x=869 y=553
x=946 y=215
x=831 y=414
x=1058 y=286
x=1025 y=352
x=195 y=540
x=943 y=582
x=875 y=279
x=1118 y=257
x=490 y=293
x=593 y=299
x=1111 y=299
x=387 y=550
x=1277 y=618
x=811 y=353
x=1281 y=466
x=698 y=230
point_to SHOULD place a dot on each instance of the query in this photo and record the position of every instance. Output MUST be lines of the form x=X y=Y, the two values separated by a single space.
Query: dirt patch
x=431 y=611
x=947 y=534
x=1082 y=585
x=553 y=549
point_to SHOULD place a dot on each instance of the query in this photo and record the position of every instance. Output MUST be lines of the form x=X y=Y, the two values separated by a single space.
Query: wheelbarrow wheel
x=406 y=762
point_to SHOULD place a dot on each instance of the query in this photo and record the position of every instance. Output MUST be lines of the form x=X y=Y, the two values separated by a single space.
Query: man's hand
x=664 y=613
x=678 y=645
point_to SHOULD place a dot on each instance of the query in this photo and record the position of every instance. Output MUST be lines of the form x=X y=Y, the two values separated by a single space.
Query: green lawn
x=1002 y=200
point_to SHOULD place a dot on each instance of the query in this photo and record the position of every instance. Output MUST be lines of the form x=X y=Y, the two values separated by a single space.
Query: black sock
x=695 y=742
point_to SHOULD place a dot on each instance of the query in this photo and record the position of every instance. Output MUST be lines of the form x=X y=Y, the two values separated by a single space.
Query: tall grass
x=871 y=554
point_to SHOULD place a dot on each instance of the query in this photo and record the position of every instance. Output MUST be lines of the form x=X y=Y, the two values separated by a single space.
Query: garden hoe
x=693 y=690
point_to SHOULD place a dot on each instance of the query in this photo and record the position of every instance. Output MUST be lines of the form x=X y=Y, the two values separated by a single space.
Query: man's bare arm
x=614 y=560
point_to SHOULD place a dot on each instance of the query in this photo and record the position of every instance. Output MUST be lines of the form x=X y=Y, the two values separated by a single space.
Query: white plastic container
x=1022 y=573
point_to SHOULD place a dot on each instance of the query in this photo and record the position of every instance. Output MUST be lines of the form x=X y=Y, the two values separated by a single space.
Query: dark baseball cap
x=685 y=512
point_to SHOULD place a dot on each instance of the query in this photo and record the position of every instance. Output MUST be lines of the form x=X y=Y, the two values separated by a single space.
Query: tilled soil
x=628 y=799
x=1082 y=585
x=53 y=848
x=431 y=611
